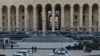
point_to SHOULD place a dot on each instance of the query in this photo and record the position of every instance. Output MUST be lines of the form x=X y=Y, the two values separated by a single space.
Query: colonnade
x=64 y=18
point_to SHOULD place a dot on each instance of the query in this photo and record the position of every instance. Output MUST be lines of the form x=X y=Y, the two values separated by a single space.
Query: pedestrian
x=84 y=48
x=11 y=46
x=53 y=50
x=35 y=48
x=32 y=49
x=3 y=46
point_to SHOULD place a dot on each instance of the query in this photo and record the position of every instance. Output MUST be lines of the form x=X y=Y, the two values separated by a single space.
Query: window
x=22 y=17
x=83 y=20
x=76 y=17
x=15 y=23
x=3 y=18
x=3 y=23
x=3 y=11
x=84 y=17
x=92 y=21
x=23 y=10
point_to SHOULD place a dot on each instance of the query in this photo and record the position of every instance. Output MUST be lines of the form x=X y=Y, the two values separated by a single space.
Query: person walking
x=84 y=48
x=11 y=46
x=53 y=50
x=35 y=49
x=32 y=49
x=3 y=46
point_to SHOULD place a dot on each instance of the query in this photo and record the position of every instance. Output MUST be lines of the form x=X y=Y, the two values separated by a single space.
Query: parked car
x=18 y=54
x=23 y=53
x=60 y=52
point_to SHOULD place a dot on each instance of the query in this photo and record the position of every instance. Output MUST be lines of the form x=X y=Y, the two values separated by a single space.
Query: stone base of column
x=53 y=33
x=25 y=29
x=35 y=34
x=0 y=29
x=43 y=34
x=98 y=29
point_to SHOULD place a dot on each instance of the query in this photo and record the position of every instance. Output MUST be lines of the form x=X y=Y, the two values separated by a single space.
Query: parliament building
x=44 y=15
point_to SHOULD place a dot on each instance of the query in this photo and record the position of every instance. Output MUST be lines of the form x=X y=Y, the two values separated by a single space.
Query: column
x=99 y=20
x=53 y=19
x=81 y=17
x=35 y=20
x=71 y=19
x=90 y=18
x=9 y=21
x=26 y=19
x=0 y=19
x=62 y=19
x=17 y=19
x=43 y=21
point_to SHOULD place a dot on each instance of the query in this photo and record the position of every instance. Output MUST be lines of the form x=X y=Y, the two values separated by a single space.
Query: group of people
x=34 y=49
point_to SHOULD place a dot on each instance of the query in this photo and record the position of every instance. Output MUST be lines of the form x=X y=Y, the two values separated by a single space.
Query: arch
x=30 y=6
x=58 y=7
x=30 y=17
x=67 y=17
x=76 y=16
x=95 y=17
x=85 y=17
x=13 y=6
x=48 y=9
x=57 y=16
x=85 y=6
x=67 y=6
x=39 y=16
x=48 y=6
x=76 y=7
x=4 y=6
x=13 y=18
x=4 y=18
x=21 y=7
x=21 y=18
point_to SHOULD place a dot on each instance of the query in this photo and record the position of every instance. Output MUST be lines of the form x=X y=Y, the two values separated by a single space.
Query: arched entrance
x=30 y=17
x=39 y=17
x=21 y=18
x=67 y=17
x=4 y=18
x=85 y=17
x=13 y=18
x=95 y=17
x=76 y=20
x=48 y=17
x=57 y=17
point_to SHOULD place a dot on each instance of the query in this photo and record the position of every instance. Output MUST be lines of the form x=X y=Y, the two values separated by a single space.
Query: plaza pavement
x=9 y=52
x=44 y=51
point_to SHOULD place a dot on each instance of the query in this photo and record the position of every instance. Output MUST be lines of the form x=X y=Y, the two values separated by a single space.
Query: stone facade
x=64 y=15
